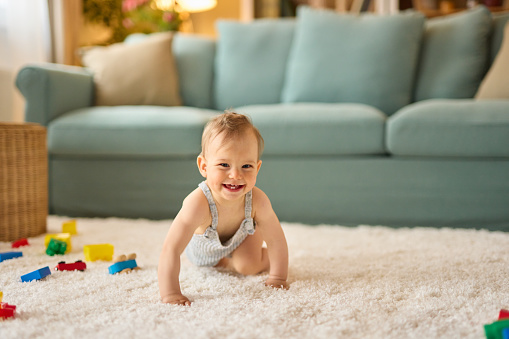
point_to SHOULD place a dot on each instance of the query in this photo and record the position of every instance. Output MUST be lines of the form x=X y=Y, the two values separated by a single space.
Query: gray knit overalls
x=206 y=249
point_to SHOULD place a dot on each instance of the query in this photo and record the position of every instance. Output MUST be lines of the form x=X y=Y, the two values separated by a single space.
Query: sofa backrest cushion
x=250 y=61
x=499 y=22
x=454 y=55
x=194 y=56
x=495 y=84
x=366 y=59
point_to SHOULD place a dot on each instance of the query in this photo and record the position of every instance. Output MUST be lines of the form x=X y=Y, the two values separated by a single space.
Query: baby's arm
x=273 y=235
x=191 y=215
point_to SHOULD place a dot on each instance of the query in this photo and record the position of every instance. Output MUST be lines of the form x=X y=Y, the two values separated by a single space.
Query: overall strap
x=212 y=204
x=249 y=204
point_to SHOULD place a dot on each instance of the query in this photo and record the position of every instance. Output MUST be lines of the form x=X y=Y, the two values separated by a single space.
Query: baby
x=224 y=222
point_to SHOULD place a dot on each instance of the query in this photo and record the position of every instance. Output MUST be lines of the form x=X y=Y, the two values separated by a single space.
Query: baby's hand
x=277 y=283
x=176 y=299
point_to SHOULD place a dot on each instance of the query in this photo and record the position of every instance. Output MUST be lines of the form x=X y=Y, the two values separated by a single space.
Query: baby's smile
x=233 y=188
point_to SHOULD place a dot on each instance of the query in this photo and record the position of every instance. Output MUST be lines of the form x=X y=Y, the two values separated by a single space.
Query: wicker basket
x=23 y=181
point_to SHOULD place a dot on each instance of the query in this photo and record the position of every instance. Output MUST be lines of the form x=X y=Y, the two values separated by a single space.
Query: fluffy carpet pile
x=346 y=282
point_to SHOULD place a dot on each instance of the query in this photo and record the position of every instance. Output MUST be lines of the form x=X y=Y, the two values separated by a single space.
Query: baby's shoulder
x=260 y=199
x=196 y=204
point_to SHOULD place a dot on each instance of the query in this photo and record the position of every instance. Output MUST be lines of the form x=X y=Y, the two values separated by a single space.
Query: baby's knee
x=245 y=268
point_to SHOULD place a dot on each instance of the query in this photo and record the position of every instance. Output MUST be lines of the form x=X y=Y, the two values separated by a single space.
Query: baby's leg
x=250 y=258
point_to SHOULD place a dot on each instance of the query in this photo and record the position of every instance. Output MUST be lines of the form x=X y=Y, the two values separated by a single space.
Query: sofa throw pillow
x=365 y=59
x=135 y=74
x=454 y=55
x=194 y=57
x=496 y=83
x=251 y=61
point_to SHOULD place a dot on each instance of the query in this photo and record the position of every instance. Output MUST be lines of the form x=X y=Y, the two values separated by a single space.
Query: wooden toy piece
x=65 y=237
x=132 y=256
x=56 y=247
x=36 y=275
x=75 y=266
x=10 y=255
x=494 y=330
x=120 y=258
x=122 y=267
x=7 y=311
x=19 y=243
x=124 y=264
x=1 y=296
x=69 y=227
x=98 y=252
x=504 y=314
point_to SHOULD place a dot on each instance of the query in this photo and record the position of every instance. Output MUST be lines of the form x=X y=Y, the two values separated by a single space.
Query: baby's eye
x=247 y=166
x=224 y=164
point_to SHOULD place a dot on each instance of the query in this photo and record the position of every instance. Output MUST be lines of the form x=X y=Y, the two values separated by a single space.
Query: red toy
x=504 y=314
x=7 y=311
x=76 y=266
x=20 y=242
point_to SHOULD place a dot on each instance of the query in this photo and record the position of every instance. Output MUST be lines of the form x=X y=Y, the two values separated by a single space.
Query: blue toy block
x=10 y=255
x=505 y=333
x=119 y=266
x=36 y=275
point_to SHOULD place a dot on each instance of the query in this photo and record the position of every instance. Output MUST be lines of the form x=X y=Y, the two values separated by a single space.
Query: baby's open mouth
x=233 y=187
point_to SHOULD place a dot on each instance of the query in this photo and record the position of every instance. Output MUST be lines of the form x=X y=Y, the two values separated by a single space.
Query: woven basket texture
x=23 y=180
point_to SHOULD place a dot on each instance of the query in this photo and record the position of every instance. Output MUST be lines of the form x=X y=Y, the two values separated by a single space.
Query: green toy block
x=494 y=330
x=56 y=247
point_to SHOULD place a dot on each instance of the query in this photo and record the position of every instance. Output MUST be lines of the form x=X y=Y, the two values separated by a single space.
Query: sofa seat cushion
x=450 y=128
x=129 y=131
x=319 y=128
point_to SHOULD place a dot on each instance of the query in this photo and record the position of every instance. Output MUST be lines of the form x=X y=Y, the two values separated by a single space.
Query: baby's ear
x=202 y=165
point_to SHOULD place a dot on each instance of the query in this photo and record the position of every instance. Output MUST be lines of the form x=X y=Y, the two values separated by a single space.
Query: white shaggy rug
x=360 y=282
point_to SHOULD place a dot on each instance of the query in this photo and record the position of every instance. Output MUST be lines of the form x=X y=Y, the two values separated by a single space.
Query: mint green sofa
x=366 y=120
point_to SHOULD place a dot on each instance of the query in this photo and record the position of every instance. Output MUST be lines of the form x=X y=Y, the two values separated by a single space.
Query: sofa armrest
x=51 y=90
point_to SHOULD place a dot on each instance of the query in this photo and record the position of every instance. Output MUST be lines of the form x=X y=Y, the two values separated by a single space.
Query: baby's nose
x=235 y=173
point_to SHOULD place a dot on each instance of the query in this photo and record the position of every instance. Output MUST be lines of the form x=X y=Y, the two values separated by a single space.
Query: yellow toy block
x=1 y=296
x=69 y=227
x=65 y=237
x=98 y=252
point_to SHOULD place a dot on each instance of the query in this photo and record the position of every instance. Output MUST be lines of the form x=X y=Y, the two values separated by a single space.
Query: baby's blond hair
x=232 y=125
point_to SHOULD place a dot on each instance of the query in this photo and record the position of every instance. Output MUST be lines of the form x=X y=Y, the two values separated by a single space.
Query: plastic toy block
x=10 y=255
x=494 y=330
x=19 y=243
x=7 y=311
x=69 y=227
x=98 y=252
x=1 y=296
x=65 y=237
x=504 y=314
x=75 y=266
x=36 y=275
x=56 y=247
x=505 y=333
x=120 y=266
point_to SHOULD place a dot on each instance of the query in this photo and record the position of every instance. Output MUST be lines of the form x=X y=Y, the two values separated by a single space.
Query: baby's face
x=231 y=166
